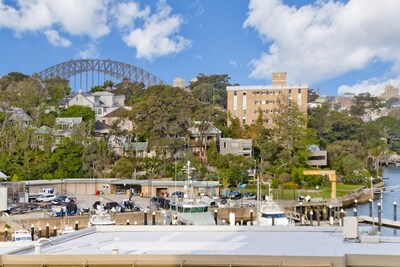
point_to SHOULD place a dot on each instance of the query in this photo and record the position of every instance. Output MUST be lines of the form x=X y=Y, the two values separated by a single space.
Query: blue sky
x=338 y=46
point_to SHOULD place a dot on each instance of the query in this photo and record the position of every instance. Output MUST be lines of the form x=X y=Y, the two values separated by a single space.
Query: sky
x=338 y=46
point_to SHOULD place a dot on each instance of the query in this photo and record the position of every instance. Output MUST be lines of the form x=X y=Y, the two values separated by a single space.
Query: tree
x=163 y=114
x=86 y=113
x=203 y=92
x=218 y=84
x=57 y=88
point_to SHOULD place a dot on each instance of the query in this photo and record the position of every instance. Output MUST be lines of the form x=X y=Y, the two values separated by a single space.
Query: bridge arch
x=92 y=72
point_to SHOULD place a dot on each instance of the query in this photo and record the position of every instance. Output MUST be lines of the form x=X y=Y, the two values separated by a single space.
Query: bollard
x=216 y=216
x=318 y=216
x=379 y=215
x=76 y=225
x=145 y=217
x=40 y=232
x=251 y=217
x=356 y=203
x=32 y=232
x=55 y=230
x=394 y=211
x=341 y=217
x=330 y=215
x=232 y=219
x=273 y=219
x=301 y=212
x=355 y=212
x=127 y=221
x=153 y=218
x=311 y=217
x=47 y=230
x=5 y=233
x=370 y=208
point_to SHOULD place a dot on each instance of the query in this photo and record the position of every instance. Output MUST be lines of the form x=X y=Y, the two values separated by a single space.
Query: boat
x=21 y=235
x=67 y=229
x=270 y=213
x=187 y=209
x=100 y=217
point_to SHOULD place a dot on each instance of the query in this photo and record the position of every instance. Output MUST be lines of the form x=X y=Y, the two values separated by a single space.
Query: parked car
x=46 y=198
x=249 y=195
x=160 y=202
x=114 y=207
x=235 y=195
x=60 y=199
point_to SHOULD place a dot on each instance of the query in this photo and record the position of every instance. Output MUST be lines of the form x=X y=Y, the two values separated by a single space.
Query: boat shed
x=79 y=186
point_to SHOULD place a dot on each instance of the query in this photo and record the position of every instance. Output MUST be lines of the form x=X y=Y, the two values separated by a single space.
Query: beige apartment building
x=389 y=92
x=244 y=102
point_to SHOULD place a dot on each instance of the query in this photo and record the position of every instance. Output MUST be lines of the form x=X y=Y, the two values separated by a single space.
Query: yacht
x=188 y=210
x=100 y=217
x=271 y=214
x=21 y=235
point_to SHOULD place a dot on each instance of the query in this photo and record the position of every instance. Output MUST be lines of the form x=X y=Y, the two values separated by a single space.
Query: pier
x=375 y=220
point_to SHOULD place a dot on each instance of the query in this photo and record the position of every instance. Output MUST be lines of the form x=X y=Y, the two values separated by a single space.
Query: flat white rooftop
x=215 y=240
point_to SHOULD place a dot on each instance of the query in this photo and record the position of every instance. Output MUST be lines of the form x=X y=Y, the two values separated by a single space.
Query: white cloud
x=158 y=36
x=326 y=39
x=198 y=57
x=75 y=17
x=233 y=63
x=56 y=40
x=372 y=86
x=90 y=51
x=127 y=13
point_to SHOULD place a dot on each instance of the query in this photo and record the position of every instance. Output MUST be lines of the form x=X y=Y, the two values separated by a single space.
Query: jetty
x=375 y=220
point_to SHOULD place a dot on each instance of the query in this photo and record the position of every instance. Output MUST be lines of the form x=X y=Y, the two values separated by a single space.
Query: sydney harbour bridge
x=83 y=74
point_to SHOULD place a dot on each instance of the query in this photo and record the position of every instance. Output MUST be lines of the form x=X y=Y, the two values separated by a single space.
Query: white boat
x=189 y=210
x=271 y=214
x=101 y=217
x=21 y=235
x=67 y=229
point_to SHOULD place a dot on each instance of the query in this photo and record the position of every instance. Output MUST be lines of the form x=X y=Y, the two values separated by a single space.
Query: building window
x=234 y=92
x=76 y=98
x=224 y=144
x=244 y=93
x=290 y=91
x=244 y=121
x=244 y=112
x=299 y=91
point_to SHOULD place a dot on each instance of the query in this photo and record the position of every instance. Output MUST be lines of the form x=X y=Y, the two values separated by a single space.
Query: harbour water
x=391 y=176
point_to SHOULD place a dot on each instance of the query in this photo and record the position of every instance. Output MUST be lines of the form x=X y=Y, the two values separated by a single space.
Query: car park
x=46 y=198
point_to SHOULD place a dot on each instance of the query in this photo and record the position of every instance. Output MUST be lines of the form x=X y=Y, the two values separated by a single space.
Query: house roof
x=101 y=126
x=103 y=93
x=19 y=115
x=74 y=120
x=119 y=112
x=211 y=129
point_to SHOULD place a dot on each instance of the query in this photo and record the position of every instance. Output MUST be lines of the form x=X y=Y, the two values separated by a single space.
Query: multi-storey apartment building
x=244 y=102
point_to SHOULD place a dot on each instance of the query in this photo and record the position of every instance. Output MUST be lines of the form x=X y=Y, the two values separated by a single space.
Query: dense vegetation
x=162 y=116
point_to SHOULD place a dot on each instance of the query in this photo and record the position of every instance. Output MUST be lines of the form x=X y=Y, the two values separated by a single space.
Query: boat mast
x=188 y=170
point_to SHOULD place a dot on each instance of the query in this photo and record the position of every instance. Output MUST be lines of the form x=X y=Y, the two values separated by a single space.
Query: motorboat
x=100 y=217
x=187 y=209
x=271 y=214
x=21 y=235
x=67 y=229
